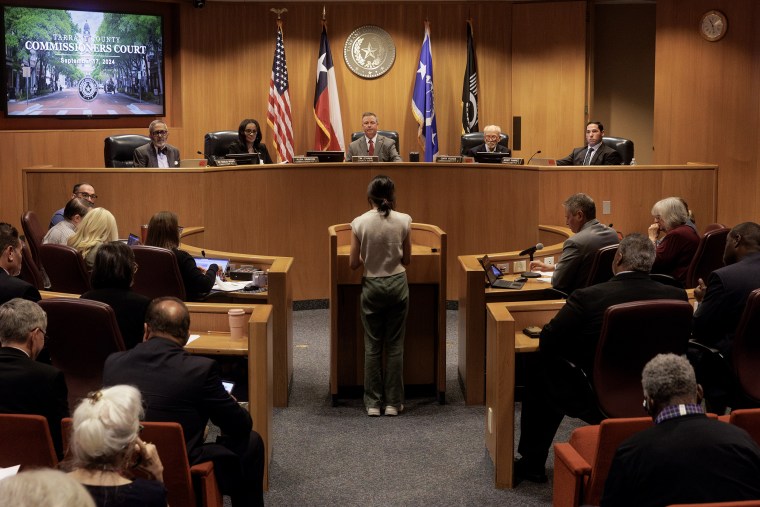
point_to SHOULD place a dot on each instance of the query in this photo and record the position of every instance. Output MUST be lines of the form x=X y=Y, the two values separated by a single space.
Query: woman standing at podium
x=381 y=242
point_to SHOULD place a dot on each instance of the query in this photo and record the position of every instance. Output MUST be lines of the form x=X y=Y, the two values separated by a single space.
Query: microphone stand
x=530 y=274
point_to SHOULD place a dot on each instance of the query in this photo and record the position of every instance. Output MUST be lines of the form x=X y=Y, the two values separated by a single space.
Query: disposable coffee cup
x=238 y=320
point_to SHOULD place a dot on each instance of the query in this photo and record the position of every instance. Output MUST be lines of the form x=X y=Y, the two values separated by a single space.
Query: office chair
x=392 y=134
x=159 y=273
x=601 y=266
x=708 y=257
x=29 y=271
x=66 y=269
x=622 y=146
x=215 y=144
x=473 y=139
x=119 y=150
x=34 y=233
x=26 y=442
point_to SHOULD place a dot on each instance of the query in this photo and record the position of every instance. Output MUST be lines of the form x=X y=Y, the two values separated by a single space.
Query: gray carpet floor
x=430 y=455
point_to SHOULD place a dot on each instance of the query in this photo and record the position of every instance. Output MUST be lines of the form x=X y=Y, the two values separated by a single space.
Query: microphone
x=531 y=158
x=531 y=250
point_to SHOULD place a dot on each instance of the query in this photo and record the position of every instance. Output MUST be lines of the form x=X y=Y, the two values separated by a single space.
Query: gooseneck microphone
x=530 y=251
x=531 y=158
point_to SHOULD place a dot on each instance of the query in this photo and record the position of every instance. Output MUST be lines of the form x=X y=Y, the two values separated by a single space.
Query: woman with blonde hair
x=106 y=447
x=97 y=227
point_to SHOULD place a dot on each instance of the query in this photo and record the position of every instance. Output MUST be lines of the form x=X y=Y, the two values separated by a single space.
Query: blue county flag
x=329 y=134
x=470 y=87
x=422 y=99
x=278 y=114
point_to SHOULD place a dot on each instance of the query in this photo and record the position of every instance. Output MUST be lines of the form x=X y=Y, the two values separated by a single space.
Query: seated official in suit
x=685 y=457
x=10 y=267
x=29 y=386
x=578 y=251
x=163 y=232
x=82 y=190
x=677 y=248
x=372 y=143
x=249 y=141
x=73 y=213
x=96 y=228
x=573 y=334
x=179 y=387
x=157 y=153
x=111 y=281
x=491 y=136
x=106 y=447
x=595 y=152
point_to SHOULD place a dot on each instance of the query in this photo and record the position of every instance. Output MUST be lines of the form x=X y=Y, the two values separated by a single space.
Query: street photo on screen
x=76 y=63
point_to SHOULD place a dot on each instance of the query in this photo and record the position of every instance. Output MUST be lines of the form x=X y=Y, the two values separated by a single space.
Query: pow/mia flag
x=470 y=87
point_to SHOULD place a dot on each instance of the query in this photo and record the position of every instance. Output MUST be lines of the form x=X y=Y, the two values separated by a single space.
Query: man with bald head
x=157 y=153
x=491 y=136
x=179 y=387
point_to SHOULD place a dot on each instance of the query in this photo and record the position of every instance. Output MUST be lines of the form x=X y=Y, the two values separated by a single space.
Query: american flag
x=279 y=116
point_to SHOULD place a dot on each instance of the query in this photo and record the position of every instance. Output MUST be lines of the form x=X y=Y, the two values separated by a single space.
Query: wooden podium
x=425 y=340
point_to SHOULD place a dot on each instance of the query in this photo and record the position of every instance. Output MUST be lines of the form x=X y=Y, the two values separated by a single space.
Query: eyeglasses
x=251 y=132
x=85 y=195
x=45 y=336
x=135 y=267
x=160 y=133
x=491 y=138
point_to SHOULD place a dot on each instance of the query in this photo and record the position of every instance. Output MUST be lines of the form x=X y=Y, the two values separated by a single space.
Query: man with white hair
x=491 y=136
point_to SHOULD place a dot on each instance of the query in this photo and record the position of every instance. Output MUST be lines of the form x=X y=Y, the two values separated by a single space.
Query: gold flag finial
x=279 y=12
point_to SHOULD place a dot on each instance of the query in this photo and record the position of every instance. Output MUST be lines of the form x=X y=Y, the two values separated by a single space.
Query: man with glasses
x=491 y=136
x=157 y=153
x=29 y=386
x=81 y=190
x=10 y=267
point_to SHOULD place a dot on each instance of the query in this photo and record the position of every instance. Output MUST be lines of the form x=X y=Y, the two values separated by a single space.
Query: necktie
x=371 y=147
x=587 y=160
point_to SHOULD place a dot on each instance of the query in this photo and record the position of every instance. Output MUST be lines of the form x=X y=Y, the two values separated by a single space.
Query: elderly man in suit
x=491 y=136
x=29 y=386
x=573 y=334
x=157 y=153
x=10 y=267
x=595 y=152
x=372 y=143
x=179 y=387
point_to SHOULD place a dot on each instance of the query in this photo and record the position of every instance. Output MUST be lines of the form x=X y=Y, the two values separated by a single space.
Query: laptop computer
x=244 y=158
x=193 y=162
x=543 y=161
x=327 y=156
x=493 y=274
x=205 y=262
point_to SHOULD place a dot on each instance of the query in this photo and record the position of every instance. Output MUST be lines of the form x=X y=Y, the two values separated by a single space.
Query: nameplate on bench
x=450 y=159
x=365 y=158
x=300 y=159
x=513 y=161
x=224 y=162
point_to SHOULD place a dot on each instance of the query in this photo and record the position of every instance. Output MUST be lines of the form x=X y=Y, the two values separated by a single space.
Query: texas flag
x=329 y=133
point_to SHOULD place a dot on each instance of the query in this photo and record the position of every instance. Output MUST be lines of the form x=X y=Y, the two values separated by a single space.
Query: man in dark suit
x=572 y=268
x=372 y=143
x=187 y=389
x=595 y=152
x=28 y=386
x=157 y=153
x=573 y=334
x=10 y=267
x=491 y=136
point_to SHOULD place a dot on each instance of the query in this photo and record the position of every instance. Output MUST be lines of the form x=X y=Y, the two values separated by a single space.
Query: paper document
x=229 y=286
x=9 y=471
x=192 y=338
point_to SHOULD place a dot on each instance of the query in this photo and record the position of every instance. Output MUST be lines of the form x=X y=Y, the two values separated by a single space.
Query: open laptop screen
x=205 y=262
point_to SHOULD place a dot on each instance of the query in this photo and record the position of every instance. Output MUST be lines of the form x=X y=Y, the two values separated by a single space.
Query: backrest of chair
x=34 y=233
x=387 y=133
x=158 y=273
x=749 y=420
x=601 y=266
x=666 y=280
x=215 y=144
x=473 y=139
x=708 y=257
x=170 y=444
x=65 y=268
x=632 y=334
x=29 y=270
x=746 y=347
x=713 y=227
x=612 y=433
x=119 y=151
x=26 y=442
x=622 y=146
x=81 y=335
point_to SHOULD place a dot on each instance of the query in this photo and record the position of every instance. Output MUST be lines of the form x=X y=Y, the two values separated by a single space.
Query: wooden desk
x=425 y=339
x=505 y=339
x=475 y=296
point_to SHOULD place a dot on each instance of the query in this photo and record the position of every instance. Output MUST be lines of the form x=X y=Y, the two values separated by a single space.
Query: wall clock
x=713 y=25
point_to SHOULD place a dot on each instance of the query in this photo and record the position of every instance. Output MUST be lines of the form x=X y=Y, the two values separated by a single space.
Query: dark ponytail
x=381 y=193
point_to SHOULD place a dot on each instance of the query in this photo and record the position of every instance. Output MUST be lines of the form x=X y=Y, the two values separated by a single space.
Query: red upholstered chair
x=30 y=272
x=34 y=233
x=708 y=257
x=81 y=335
x=746 y=350
x=713 y=227
x=749 y=420
x=158 y=274
x=26 y=441
x=601 y=266
x=743 y=503
x=65 y=268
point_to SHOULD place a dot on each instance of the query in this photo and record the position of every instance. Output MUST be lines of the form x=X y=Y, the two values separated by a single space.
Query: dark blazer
x=236 y=147
x=145 y=156
x=578 y=253
x=31 y=387
x=197 y=283
x=604 y=155
x=179 y=387
x=12 y=287
x=385 y=149
x=482 y=147
x=129 y=308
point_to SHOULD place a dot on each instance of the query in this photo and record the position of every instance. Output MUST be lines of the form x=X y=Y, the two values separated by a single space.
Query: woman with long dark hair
x=249 y=141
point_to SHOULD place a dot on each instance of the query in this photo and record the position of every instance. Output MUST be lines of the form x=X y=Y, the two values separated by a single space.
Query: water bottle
x=633 y=161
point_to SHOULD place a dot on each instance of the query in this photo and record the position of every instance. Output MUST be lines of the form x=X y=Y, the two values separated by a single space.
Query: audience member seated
x=29 y=386
x=10 y=267
x=677 y=248
x=111 y=280
x=96 y=228
x=179 y=387
x=44 y=487
x=157 y=153
x=573 y=334
x=491 y=136
x=690 y=221
x=249 y=141
x=73 y=213
x=685 y=457
x=578 y=251
x=105 y=446
x=82 y=190
x=163 y=232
